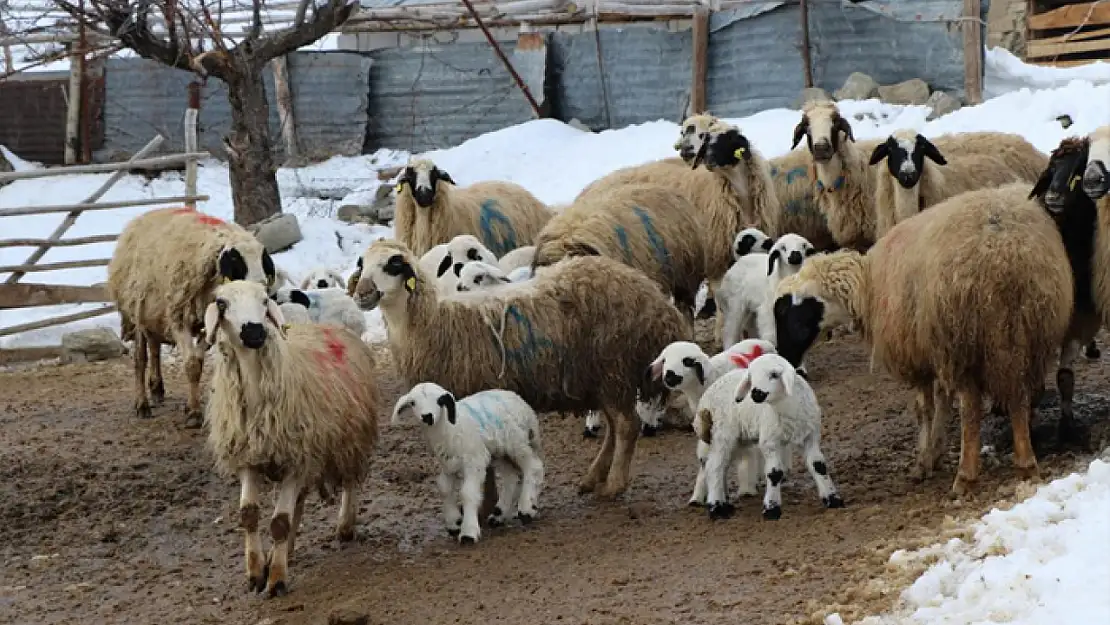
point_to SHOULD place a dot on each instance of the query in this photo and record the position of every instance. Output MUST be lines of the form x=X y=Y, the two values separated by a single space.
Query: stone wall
x=1006 y=25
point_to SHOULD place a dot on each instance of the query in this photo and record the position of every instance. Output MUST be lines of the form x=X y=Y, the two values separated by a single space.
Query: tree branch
x=302 y=9
x=256 y=21
x=130 y=24
x=324 y=20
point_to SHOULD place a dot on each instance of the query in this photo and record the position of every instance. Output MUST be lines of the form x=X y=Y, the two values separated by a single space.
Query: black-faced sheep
x=579 y=336
x=969 y=297
x=432 y=209
x=166 y=264
x=297 y=406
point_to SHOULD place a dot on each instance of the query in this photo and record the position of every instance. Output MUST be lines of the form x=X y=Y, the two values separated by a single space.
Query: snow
x=551 y=159
x=1043 y=562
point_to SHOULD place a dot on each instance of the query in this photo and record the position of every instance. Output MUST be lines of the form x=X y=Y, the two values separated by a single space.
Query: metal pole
x=504 y=59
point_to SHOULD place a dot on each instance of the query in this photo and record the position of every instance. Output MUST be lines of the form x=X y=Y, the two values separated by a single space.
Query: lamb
x=489 y=427
x=520 y=257
x=683 y=366
x=298 y=406
x=161 y=276
x=769 y=406
x=917 y=175
x=476 y=275
x=750 y=240
x=648 y=227
x=323 y=278
x=327 y=306
x=462 y=249
x=969 y=297
x=432 y=209
x=577 y=337
x=294 y=313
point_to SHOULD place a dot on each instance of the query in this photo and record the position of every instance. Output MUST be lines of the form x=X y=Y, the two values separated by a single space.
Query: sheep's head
x=767 y=379
x=742 y=354
x=1058 y=187
x=322 y=278
x=289 y=295
x=242 y=310
x=246 y=261
x=477 y=275
x=421 y=178
x=429 y=402
x=461 y=250
x=725 y=147
x=804 y=307
x=750 y=240
x=387 y=268
x=1096 y=179
x=790 y=250
x=693 y=137
x=822 y=126
x=905 y=152
x=681 y=366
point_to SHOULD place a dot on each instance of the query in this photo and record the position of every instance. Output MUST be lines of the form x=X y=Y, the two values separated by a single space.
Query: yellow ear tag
x=400 y=186
x=678 y=144
x=1074 y=181
x=285 y=327
x=225 y=280
x=410 y=284
x=739 y=153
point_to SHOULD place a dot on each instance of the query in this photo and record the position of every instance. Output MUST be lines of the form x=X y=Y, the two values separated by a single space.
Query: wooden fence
x=1074 y=34
x=14 y=294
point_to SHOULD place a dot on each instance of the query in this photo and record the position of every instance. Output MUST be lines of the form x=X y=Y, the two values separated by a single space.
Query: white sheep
x=323 y=278
x=684 y=367
x=774 y=409
x=476 y=275
x=750 y=240
x=294 y=313
x=467 y=435
x=520 y=257
x=326 y=306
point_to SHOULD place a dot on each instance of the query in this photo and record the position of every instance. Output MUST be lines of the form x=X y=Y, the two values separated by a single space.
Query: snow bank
x=1005 y=72
x=1045 y=561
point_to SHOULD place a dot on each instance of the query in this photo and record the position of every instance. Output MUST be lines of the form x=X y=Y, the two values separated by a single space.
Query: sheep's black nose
x=424 y=196
x=672 y=379
x=322 y=284
x=253 y=335
x=759 y=395
x=907 y=180
x=822 y=150
x=795 y=258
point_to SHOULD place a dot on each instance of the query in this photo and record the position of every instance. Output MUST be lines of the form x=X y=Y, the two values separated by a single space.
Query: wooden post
x=73 y=105
x=807 y=61
x=973 y=52
x=284 y=96
x=191 y=114
x=701 y=60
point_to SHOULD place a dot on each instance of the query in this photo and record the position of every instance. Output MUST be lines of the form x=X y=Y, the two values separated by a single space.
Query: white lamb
x=476 y=275
x=750 y=240
x=294 y=313
x=685 y=368
x=467 y=435
x=326 y=306
x=323 y=278
x=766 y=405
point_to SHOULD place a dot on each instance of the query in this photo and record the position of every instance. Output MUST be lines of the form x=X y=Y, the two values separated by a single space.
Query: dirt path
x=106 y=519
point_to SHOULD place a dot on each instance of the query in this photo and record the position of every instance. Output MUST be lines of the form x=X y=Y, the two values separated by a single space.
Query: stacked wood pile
x=1064 y=33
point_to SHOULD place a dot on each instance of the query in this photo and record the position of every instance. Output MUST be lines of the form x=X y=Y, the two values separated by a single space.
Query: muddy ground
x=108 y=519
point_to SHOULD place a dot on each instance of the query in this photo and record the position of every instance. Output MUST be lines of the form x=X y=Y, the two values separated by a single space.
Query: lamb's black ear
x=1041 y=187
x=504 y=279
x=442 y=175
x=444 y=265
x=880 y=152
x=698 y=371
x=268 y=267
x=775 y=255
x=231 y=264
x=799 y=131
x=768 y=243
x=931 y=151
x=298 y=296
x=448 y=402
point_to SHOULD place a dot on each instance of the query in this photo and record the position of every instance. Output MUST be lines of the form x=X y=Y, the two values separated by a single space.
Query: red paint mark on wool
x=745 y=359
x=207 y=220
x=335 y=351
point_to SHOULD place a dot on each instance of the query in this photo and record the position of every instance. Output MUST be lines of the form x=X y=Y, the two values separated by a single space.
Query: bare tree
x=175 y=32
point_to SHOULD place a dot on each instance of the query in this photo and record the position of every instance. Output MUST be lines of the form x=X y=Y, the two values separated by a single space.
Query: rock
x=278 y=233
x=389 y=173
x=353 y=213
x=913 y=91
x=91 y=345
x=1065 y=121
x=859 y=86
x=941 y=104
x=348 y=617
x=810 y=94
x=381 y=210
x=577 y=123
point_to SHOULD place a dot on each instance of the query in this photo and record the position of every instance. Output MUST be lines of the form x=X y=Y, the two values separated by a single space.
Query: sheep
x=648 y=227
x=577 y=337
x=969 y=297
x=161 y=276
x=432 y=209
x=750 y=240
x=327 y=306
x=294 y=313
x=521 y=274
x=297 y=406
x=476 y=275
x=683 y=366
x=767 y=405
x=520 y=257
x=917 y=175
x=494 y=427
x=1096 y=184
x=462 y=249
x=322 y=278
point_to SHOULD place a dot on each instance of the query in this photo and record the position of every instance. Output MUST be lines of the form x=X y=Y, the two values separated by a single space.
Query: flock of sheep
x=966 y=261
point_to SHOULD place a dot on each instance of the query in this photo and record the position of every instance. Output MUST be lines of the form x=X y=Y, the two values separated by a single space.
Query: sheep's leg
x=448 y=484
x=819 y=470
x=294 y=528
x=650 y=415
x=923 y=406
x=599 y=468
x=507 y=494
x=593 y=424
x=1068 y=430
x=139 y=356
x=733 y=322
x=748 y=467
x=281 y=528
x=248 y=520
x=625 y=445
x=154 y=372
x=1092 y=351
x=700 y=489
x=1024 y=458
x=531 y=472
x=348 y=510
x=772 y=498
x=470 y=496
x=942 y=414
x=193 y=354
x=971 y=418
x=716 y=476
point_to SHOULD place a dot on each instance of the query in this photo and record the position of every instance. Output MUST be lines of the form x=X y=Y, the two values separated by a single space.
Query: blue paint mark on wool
x=485 y=417
x=622 y=239
x=530 y=344
x=797 y=172
x=498 y=233
x=657 y=245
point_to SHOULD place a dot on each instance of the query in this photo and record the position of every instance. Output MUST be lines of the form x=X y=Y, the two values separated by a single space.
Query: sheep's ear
x=655 y=369
x=444 y=265
x=744 y=387
x=880 y=152
x=842 y=125
x=212 y=316
x=699 y=371
x=775 y=255
x=1041 y=187
x=800 y=130
x=788 y=377
x=447 y=401
x=446 y=177
x=230 y=265
x=811 y=251
x=298 y=296
x=582 y=249
x=504 y=279
x=273 y=313
x=404 y=405
x=931 y=151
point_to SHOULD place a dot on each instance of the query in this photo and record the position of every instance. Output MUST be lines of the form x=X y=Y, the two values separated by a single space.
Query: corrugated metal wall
x=330 y=100
x=33 y=114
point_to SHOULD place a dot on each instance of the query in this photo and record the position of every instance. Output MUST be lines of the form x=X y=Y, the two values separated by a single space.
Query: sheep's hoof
x=586 y=486
x=694 y=503
x=833 y=501
x=278 y=590
x=193 y=420
x=962 y=486
x=772 y=512
x=496 y=518
x=591 y=432
x=467 y=540
x=158 y=393
x=257 y=583
x=142 y=411
x=648 y=430
x=721 y=510
x=525 y=519
x=1073 y=434
x=1092 y=351
x=345 y=535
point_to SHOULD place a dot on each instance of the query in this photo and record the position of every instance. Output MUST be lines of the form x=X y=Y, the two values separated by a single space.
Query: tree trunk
x=254 y=187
